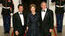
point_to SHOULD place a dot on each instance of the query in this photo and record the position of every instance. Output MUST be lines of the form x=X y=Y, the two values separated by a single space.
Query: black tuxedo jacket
x=5 y=3
x=59 y=10
x=47 y=23
x=17 y=24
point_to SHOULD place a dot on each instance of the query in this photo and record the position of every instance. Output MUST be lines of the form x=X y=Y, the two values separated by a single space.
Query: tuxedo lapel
x=19 y=17
x=40 y=16
x=45 y=15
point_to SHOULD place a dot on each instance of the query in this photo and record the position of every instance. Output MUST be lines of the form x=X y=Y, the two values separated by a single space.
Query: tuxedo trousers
x=59 y=18
x=6 y=23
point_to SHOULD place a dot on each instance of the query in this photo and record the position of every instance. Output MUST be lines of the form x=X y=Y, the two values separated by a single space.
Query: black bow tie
x=21 y=13
x=43 y=10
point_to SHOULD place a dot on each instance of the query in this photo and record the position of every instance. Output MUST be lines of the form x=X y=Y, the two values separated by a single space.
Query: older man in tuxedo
x=46 y=19
x=19 y=24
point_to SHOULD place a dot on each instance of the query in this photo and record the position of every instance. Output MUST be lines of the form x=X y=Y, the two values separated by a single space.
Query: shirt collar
x=19 y=12
x=45 y=9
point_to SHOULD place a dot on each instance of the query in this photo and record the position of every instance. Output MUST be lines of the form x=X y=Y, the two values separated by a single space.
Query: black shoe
x=6 y=32
x=59 y=31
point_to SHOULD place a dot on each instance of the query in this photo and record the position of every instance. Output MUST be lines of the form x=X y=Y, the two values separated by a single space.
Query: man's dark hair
x=20 y=5
x=43 y=1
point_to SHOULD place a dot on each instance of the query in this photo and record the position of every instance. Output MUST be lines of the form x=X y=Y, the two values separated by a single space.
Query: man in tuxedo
x=46 y=20
x=6 y=15
x=59 y=11
x=19 y=24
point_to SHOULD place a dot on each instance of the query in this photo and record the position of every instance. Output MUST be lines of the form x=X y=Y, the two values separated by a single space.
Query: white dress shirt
x=22 y=18
x=43 y=14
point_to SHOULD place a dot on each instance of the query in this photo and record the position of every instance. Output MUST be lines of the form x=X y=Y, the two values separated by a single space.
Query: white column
x=16 y=2
x=52 y=7
x=1 y=20
x=64 y=17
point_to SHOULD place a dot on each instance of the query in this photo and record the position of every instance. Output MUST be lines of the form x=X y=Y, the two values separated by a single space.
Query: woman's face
x=33 y=9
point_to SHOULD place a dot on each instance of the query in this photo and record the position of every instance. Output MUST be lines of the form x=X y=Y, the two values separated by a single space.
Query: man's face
x=43 y=5
x=20 y=8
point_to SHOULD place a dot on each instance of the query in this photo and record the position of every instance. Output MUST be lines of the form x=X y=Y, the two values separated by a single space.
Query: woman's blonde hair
x=33 y=5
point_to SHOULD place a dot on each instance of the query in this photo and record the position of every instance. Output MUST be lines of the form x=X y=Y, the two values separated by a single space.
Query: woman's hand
x=26 y=30
x=50 y=30
x=17 y=33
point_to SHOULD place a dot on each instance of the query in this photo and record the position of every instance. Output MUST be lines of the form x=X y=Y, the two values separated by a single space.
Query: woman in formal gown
x=33 y=22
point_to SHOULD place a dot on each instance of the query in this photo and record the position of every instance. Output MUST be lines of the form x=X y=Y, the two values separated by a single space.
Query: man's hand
x=50 y=30
x=17 y=33
x=11 y=9
x=26 y=30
